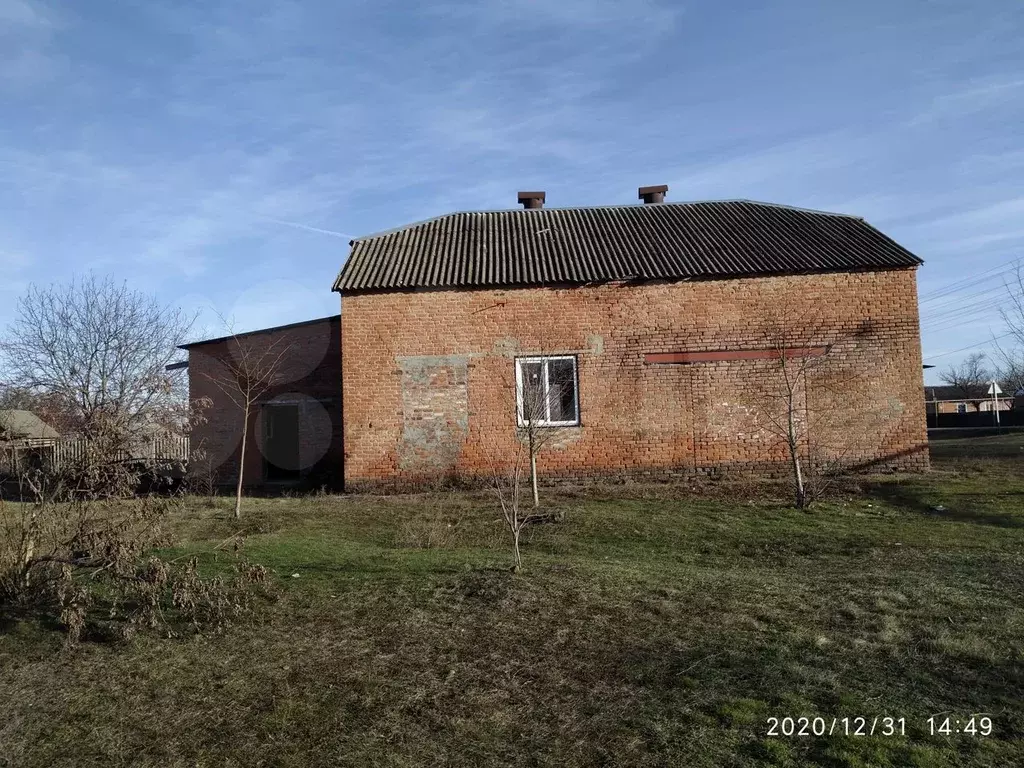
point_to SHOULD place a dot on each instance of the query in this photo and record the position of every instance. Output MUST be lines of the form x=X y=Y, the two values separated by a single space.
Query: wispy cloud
x=24 y=15
x=26 y=56
x=973 y=97
x=307 y=228
x=207 y=149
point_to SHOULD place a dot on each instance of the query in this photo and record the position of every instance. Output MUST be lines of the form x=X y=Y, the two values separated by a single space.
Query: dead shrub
x=436 y=528
x=80 y=551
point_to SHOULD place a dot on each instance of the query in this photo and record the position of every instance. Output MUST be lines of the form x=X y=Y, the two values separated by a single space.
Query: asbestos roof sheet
x=642 y=242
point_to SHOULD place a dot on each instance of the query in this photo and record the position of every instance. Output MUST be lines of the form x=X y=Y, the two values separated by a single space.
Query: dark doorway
x=280 y=442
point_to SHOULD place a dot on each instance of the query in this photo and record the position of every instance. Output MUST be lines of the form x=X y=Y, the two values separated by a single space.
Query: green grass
x=652 y=627
x=1008 y=446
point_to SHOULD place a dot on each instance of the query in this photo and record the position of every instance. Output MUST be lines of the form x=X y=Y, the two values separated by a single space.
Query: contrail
x=308 y=228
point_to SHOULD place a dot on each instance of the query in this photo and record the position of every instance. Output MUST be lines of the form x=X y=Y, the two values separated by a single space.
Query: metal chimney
x=531 y=200
x=651 y=195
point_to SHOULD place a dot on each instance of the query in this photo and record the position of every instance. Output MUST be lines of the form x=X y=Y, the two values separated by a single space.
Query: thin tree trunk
x=28 y=551
x=801 y=496
x=533 y=479
x=794 y=455
x=241 y=465
x=517 y=560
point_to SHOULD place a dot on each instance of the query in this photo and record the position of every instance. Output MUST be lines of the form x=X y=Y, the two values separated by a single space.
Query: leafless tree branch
x=245 y=375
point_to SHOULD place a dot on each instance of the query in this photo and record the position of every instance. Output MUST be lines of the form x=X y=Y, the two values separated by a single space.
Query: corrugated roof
x=582 y=245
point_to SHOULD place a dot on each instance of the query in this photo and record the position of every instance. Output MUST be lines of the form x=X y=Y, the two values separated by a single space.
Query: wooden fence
x=59 y=453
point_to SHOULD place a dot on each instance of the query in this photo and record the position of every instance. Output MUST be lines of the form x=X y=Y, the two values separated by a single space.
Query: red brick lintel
x=657 y=358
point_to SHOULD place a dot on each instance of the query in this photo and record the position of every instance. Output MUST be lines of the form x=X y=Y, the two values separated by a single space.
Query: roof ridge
x=256 y=331
x=619 y=206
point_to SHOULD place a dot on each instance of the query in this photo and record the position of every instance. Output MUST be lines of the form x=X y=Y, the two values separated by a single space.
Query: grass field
x=652 y=627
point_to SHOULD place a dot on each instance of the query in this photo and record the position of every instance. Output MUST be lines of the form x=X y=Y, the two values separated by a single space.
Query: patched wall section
x=435 y=412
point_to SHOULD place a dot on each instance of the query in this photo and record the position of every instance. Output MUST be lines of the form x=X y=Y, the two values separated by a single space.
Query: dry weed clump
x=436 y=528
x=79 y=548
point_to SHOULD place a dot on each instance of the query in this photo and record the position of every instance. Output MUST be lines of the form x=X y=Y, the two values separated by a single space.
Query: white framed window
x=547 y=391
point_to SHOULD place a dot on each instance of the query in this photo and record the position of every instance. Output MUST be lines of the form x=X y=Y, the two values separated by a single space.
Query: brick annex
x=649 y=332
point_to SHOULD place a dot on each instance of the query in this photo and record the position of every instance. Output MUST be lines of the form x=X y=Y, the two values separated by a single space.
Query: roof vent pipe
x=531 y=200
x=651 y=195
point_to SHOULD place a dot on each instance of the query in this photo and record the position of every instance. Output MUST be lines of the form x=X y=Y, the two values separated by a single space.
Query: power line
x=952 y=302
x=954 y=312
x=964 y=349
x=959 y=324
x=958 y=285
x=961 y=317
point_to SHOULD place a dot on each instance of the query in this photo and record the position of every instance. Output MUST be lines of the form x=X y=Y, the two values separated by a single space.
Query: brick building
x=651 y=322
x=295 y=426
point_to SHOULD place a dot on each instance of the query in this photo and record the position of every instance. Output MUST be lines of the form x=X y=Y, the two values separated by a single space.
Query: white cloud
x=971 y=98
x=797 y=171
x=23 y=14
x=26 y=30
x=965 y=233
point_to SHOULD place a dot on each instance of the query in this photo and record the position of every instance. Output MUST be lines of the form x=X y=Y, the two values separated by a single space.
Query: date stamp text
x=879 y=725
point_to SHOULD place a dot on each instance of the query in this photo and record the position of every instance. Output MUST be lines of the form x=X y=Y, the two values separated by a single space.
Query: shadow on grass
x=741 y=685
x=921 y=500
x=13 y=616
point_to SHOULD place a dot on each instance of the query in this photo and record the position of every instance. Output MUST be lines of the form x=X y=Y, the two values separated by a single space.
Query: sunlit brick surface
x=428 y=375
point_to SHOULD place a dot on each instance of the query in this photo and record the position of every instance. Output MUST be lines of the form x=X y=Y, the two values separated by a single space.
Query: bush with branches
x=79 y=546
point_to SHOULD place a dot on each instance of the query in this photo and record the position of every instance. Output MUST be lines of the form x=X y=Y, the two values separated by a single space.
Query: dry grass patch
x=654 y=629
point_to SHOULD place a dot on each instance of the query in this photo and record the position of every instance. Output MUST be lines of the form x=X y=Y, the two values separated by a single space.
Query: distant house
x=948 y=399
x=26 y=428
x=23 y=436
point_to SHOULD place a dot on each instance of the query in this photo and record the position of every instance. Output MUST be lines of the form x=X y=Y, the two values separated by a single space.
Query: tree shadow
x=911 y=497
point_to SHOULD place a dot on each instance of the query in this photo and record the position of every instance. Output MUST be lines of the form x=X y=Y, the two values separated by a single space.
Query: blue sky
x=222 y=152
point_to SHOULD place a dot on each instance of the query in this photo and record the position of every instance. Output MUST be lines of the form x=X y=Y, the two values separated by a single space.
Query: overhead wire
x=972 y=346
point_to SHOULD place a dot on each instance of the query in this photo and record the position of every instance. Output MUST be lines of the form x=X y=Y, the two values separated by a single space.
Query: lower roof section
x=273 y=329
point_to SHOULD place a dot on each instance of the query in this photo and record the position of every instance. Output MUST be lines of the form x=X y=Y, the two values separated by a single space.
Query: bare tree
x=1013 y=311
x=1009 y=356
x=542 y=400
x=545 y=398
x=804 y=400
x=99 y=350
x=782 y=398
x=970 y=379
x=507 y=480
x=244 y=376
x=1009 y=369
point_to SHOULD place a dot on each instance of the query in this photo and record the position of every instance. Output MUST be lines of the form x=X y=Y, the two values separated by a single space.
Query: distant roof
x=551 y=246
x=184 y=364
x=947 y=392
x=16 y=424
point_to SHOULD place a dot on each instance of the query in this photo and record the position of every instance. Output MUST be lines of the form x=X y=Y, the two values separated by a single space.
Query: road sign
x=993 y=389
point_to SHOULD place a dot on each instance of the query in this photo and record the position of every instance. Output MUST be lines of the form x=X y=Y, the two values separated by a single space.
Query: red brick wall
x=309 y=375
x=428 y=375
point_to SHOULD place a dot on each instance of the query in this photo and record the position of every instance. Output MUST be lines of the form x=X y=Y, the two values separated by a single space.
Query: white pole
x=995 y=400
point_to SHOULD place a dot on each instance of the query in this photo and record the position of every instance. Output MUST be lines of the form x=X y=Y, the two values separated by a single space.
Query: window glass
x=532 y=406
x=561 y=390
